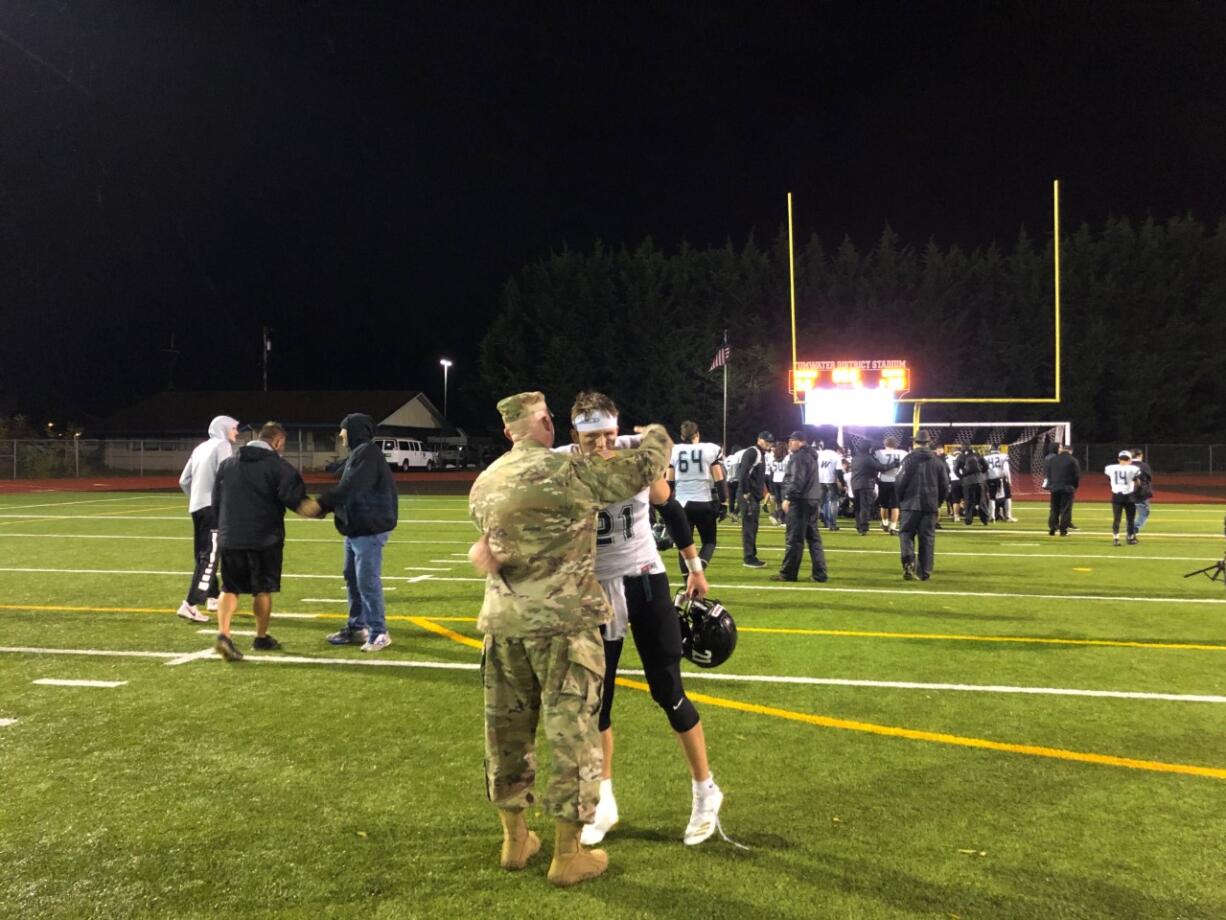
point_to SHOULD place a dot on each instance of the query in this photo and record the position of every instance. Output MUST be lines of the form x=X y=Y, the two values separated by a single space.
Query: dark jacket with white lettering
x=365 y=499
x=251 y=493
x=800 y=482
x=923 y=481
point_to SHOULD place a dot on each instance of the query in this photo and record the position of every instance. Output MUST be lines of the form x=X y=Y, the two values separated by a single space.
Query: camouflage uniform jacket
x=539 y=509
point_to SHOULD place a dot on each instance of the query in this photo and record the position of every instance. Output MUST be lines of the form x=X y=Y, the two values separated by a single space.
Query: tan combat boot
x=571 y=863
x=518 y=843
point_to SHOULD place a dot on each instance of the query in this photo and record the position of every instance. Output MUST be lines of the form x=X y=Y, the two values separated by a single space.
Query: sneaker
x=605 y=820
x=704 y=816
x=822 y=578
x=212 y=604
x=1073 y=526
x=265 y=644
x=754 y=564
x=779 y=576
x=894 y=531
x=376 y=643
x=189 y=612
x=349 y=636
x=1132 y=541
x=1051 y=533
x=885 y=528
x=1115 y=541
x=1011 y=520
x=908 y=571
x=224 y=646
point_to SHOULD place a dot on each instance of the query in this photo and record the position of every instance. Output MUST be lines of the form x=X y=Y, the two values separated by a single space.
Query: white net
x=1028 y=443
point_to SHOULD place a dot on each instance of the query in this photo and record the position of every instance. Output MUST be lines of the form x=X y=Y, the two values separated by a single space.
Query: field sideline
x=1037 y=731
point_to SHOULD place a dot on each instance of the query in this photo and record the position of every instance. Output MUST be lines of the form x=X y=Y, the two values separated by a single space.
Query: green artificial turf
x=308 y=790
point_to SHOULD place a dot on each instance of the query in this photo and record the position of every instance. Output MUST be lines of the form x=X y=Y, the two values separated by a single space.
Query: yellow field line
x=893 y=731
x=166 y=611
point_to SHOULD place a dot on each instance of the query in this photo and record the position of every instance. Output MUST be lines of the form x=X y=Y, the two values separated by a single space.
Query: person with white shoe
x=196 y=481
x=635 y=582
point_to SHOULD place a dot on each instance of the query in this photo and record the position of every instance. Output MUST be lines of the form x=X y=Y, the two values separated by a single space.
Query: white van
x=407 y=454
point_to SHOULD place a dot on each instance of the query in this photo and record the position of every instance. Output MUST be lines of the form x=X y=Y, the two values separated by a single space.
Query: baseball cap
x=766 y=436
x=1124 y=453
x=799 y=435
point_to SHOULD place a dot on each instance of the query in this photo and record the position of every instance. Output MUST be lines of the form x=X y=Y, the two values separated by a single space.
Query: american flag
x=721 y=357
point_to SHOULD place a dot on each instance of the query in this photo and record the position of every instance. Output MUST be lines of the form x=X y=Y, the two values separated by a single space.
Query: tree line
x=1143 y=327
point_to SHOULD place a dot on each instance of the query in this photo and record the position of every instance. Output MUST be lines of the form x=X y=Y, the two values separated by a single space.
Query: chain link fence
x=1162 y=458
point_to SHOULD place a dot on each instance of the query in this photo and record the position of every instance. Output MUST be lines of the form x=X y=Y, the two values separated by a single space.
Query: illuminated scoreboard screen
x=849 y=392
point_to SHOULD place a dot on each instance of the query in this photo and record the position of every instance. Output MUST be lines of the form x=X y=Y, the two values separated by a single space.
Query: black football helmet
x=664 y=540
x=708 y=633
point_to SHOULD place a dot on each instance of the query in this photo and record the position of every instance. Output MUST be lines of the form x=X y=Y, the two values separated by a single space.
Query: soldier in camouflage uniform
x=543 y=655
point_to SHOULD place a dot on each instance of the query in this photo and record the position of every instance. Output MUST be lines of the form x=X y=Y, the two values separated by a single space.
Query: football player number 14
x=683 y=462
x=604 y=526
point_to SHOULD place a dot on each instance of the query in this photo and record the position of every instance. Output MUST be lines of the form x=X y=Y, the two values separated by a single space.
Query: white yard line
x=194 y=656
x=928 y=592
x=89 y=652
x=233 y=632
x=101 y=684
x=324 y=600
x=267 y=659
x=179 y=574
x=424 y=568
x=84 y=501
x=966 y=688
x=5 y=723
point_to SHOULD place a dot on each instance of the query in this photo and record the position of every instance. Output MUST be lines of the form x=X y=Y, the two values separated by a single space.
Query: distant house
x=156 y=434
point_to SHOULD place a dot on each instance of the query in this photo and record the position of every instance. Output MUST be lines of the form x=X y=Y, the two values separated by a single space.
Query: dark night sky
x=363 y=177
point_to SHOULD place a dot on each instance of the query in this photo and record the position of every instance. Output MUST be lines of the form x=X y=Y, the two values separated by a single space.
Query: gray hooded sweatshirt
x=196 y=480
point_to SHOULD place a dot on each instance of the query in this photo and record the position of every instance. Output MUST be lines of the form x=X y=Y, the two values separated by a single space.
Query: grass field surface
x=1038 y=731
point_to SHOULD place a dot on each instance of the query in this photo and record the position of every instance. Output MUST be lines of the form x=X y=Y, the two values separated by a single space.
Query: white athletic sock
x=606 y=788
x=705 y=786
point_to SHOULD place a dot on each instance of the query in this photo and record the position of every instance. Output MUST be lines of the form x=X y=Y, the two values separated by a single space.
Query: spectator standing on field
x=801 y=496
x=972 y=473
x=251 y=493
x=1062 y=477
x=751 y=474
x=828 y=476
x=922 y=487
x=1145 y=488
x=367 y=511
x=864 y=470
x=196 y=481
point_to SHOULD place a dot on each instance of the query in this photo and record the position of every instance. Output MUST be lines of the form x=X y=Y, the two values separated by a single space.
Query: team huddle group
x=572 y=565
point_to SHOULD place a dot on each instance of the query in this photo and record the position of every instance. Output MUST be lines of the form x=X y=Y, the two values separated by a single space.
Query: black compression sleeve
x=722 y=488
x=677 y=523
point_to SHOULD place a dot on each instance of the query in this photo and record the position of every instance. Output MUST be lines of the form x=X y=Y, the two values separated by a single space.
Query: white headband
x=594 y=420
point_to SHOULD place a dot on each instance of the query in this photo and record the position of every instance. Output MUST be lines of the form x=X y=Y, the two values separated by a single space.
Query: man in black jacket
x=864 y=470
x=922 y=486
x=801 y=495
x=1063 y=477
x=251 y=493
x=751 y=476
x=972 y=473
x=366 y=509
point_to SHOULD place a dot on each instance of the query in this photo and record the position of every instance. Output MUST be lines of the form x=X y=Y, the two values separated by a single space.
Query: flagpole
x=726 y=360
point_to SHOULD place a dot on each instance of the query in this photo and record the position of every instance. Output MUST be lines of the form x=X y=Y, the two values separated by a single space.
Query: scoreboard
x=890 y=374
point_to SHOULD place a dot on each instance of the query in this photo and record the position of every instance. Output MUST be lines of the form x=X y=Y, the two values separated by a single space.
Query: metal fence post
x=142 y=457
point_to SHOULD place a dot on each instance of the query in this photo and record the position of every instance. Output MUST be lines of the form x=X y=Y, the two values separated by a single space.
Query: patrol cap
x=521 y=407
x=799 y=435
x=766 y=436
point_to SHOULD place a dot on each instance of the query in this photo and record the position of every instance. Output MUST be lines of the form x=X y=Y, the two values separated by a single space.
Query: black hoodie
x=251 y=492
x=365 y=499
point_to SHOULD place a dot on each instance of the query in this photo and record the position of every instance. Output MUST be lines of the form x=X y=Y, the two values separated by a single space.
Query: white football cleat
x=605 y=819
x=704 y=817
x=188 y=612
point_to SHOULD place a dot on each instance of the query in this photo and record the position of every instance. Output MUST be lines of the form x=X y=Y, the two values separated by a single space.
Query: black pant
x=864 y=507
x=777 y=494
x=1125 y=504
x=1060 y=513
x=751 y=510
x=657 y=636
x=974 y=501
x=205 y=583
x=802 y=529
x=702 y=515
x=921 y=525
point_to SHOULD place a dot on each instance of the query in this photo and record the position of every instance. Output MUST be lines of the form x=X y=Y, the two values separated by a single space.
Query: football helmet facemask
x=708 y=633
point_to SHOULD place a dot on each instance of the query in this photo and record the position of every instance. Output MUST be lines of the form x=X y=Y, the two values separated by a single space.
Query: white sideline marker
x=5 y=723
x=101 y=684
x=193 y=656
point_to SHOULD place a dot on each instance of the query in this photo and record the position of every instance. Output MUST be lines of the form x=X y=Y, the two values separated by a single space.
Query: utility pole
x=264 y=356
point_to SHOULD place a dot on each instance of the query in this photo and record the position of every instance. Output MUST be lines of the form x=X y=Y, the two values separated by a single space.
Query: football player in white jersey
x=1123 y=476
x=696 y=472
x=999 y=485
x=891 y=458
x=635 y=582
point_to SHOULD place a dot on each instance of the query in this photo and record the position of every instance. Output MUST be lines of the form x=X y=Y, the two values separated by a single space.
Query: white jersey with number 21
x=692 y=465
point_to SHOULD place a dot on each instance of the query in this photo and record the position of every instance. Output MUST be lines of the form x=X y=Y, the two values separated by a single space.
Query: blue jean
x=830 y=505
x=1142 y=513
x=364 y=579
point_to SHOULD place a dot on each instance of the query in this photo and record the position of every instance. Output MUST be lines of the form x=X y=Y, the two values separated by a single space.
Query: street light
x=446 y=365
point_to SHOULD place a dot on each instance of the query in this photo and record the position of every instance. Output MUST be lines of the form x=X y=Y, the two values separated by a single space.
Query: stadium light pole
x=446 y=366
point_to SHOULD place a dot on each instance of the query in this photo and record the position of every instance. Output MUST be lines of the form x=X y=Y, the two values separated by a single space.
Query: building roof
x=186 y=412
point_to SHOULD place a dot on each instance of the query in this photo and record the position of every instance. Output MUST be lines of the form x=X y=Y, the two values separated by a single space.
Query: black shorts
x=251 y=571
x=955 y=491
x=885 y=495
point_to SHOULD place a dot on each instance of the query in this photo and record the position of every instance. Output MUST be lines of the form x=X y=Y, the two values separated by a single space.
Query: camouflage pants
x=558 y=679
